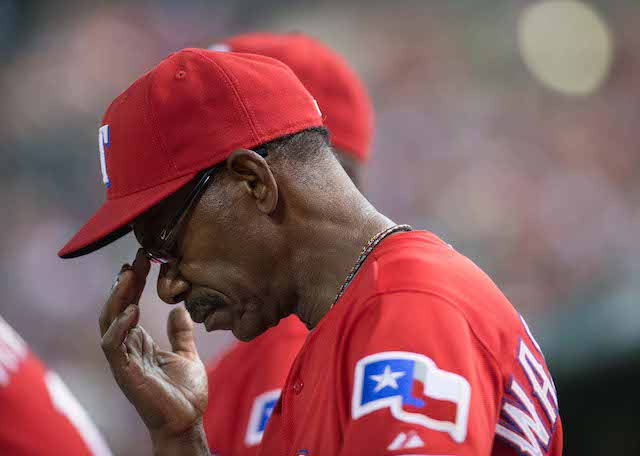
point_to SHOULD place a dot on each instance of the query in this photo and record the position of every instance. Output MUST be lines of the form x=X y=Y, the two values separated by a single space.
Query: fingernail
x=125 y=267
x=129 y=310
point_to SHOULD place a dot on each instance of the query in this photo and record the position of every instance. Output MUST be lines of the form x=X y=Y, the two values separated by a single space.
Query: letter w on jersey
x=389 y=380
x=520 y=424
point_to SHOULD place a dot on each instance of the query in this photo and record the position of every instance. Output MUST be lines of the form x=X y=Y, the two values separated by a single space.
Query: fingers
x=141 y=266
x=180 y=332
x=112 y=342
x=126 y=290
x=140 y=345
x=117 y=300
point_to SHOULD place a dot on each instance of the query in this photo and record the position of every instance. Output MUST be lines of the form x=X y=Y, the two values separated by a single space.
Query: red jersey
x=421 y=355
x=38 y=414
x=244 y=386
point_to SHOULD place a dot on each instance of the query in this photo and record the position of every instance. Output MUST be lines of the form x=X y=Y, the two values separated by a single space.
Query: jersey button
x=297 y=386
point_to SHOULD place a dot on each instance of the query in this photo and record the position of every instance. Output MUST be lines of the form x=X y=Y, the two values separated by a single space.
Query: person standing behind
x=246 y=381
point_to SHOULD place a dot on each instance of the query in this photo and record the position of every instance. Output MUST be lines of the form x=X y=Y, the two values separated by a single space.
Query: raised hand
x=167 y=388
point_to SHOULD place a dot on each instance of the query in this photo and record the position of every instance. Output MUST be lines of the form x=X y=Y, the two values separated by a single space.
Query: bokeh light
x=567 y=45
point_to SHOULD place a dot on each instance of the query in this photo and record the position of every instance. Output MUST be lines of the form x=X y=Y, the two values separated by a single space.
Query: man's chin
x=246 y=332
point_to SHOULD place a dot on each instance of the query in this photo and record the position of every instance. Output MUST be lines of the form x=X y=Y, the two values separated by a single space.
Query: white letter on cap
x=103 y=141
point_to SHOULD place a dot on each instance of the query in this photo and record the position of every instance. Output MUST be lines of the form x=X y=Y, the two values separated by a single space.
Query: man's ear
x=253 y=171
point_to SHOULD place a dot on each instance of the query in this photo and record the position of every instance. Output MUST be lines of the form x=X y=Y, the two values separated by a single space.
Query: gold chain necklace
x=373 y=242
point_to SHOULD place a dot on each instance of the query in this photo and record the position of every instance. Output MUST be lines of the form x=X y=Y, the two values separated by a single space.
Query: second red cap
x=342 y=97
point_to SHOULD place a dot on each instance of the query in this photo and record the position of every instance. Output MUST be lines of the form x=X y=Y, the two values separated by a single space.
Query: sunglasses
x=164 y=251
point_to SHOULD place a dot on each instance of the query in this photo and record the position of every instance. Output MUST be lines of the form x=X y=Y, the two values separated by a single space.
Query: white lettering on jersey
x=12 y=350
x=541 y=383
x=526 y=421
x=103 y=141
x=533 y=339
x=67 y=405
x=520 y=424
x=260 y=413
x=535 y=343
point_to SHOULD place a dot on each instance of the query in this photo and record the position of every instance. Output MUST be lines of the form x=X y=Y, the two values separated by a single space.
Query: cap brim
x=112 y=220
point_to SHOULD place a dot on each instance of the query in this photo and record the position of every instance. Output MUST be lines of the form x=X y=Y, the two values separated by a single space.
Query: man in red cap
x=219 y=163
x=240 y=402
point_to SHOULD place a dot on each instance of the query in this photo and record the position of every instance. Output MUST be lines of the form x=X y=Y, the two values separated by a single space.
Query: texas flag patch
x=415 y=391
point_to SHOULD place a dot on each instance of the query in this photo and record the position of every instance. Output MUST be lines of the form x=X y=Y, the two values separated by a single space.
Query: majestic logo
x=260 y=414
x=406 y=441
x=103 y=141
x=415 y=391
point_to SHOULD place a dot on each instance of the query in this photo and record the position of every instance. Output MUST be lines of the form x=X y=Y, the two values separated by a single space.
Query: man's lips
x=198 y=315
x=200 y=307
x=211 y=309
x=217 y=320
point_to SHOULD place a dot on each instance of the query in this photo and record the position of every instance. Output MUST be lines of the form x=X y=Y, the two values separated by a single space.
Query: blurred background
x=509 y=128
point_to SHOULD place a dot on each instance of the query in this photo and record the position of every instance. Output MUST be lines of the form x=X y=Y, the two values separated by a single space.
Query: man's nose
x=172 y=287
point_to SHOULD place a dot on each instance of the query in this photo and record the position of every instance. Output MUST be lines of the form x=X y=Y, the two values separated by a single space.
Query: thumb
x=180 y=332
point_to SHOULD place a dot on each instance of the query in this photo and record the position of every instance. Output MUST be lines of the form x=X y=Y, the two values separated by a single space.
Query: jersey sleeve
x=418 y=380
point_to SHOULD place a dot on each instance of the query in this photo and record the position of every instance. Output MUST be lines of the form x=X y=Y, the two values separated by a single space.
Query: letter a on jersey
x=389 y=379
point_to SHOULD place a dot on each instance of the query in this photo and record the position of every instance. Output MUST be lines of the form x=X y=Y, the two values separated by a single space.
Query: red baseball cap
x=344 y=102
x=187 y=114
